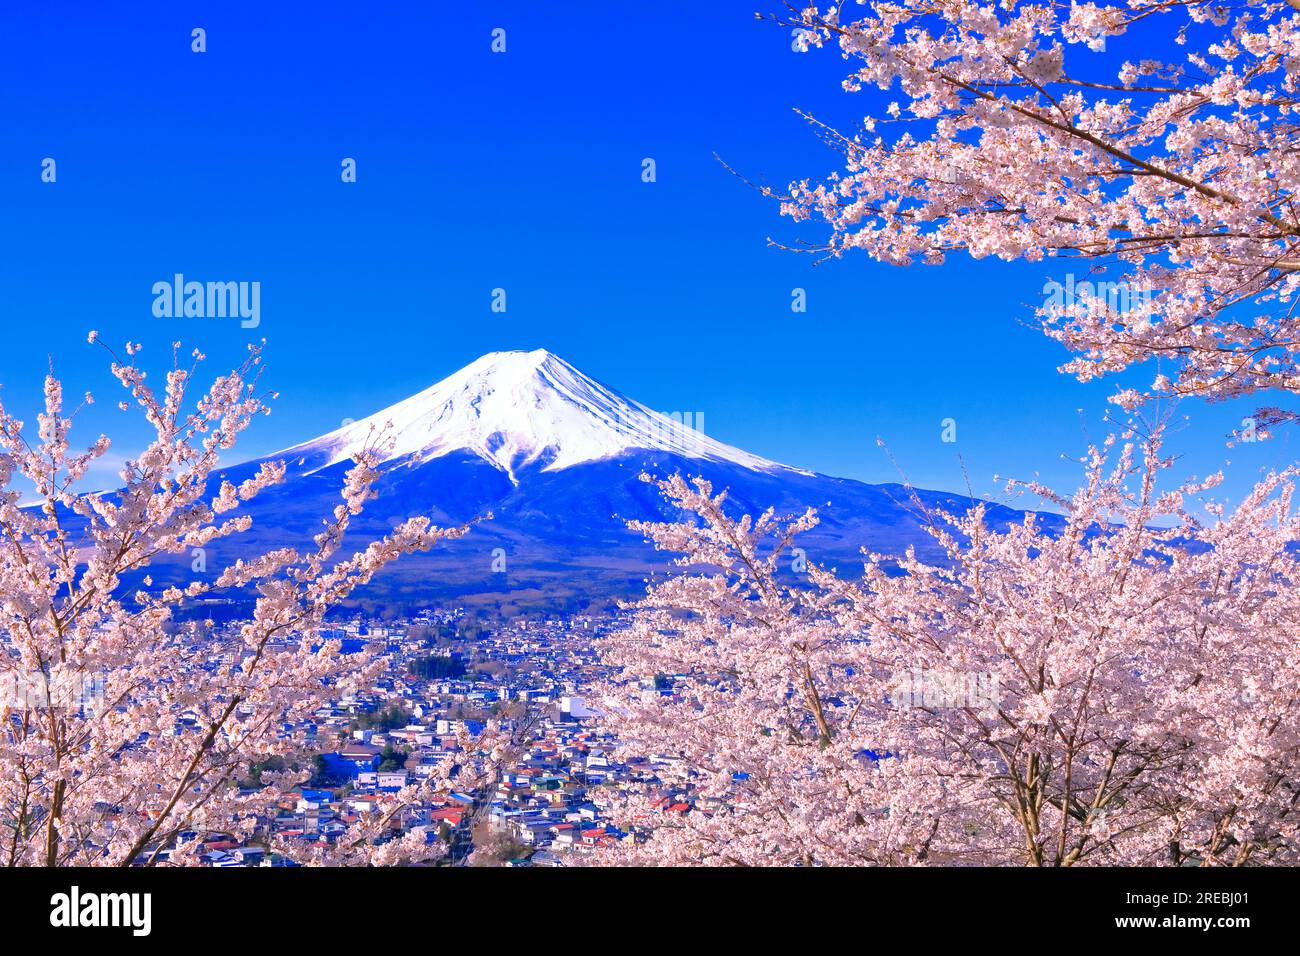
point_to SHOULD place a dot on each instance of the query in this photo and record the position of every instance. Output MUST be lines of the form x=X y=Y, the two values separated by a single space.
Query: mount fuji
x=525 y=410
x=556 y=457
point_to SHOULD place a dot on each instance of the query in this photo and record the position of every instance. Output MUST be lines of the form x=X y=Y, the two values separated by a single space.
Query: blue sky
x=521 y=171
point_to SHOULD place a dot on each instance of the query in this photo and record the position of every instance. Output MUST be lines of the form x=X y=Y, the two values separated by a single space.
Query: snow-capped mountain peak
x=515 y=409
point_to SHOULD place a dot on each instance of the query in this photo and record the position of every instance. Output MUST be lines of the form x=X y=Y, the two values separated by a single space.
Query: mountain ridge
x=555 y=457
x=517 y=408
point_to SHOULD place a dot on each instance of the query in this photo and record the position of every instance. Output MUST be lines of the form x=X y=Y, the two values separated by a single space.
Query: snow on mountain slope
x=515 y=409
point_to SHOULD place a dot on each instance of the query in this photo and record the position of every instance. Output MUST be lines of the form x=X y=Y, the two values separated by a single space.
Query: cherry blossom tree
x=1152 y=141
x=1115 y=685
x=124 y=729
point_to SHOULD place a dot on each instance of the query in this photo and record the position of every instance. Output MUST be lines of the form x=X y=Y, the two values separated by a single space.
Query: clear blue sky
x=519 y=170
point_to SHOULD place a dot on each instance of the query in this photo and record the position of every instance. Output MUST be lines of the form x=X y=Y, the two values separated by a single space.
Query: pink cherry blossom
x=1114 y=686
x=1014 y=138
x=178 y=714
